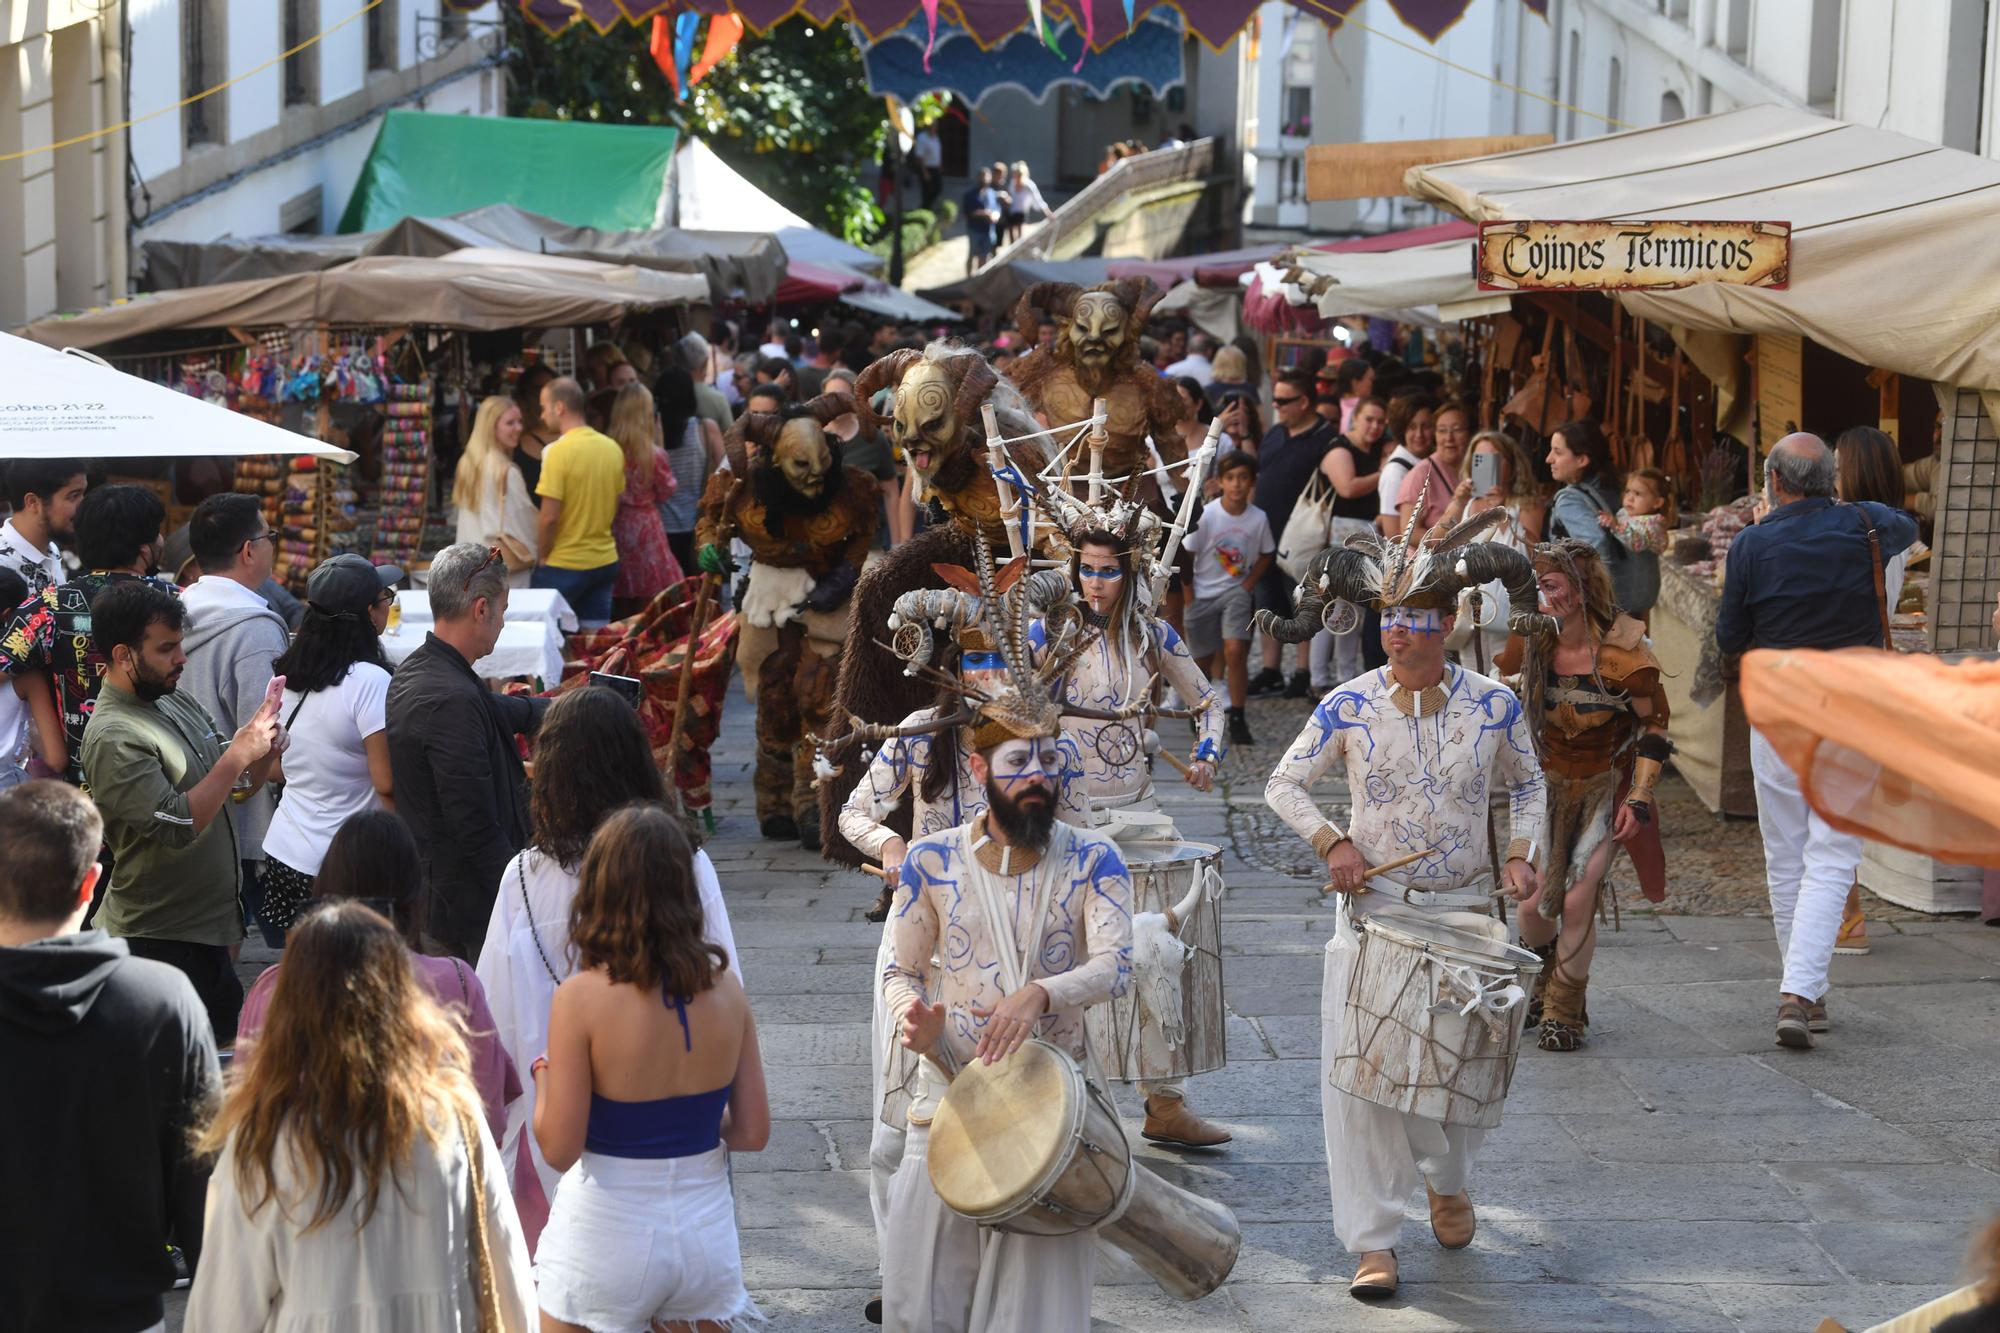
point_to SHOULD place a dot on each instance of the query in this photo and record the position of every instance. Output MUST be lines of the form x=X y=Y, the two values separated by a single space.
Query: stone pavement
x=1679 y=1173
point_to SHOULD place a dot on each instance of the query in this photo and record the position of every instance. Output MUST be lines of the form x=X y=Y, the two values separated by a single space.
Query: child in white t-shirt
x=1232 y=548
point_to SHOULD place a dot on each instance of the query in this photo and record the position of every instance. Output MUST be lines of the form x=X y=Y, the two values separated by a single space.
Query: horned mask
x=1097 y=328
x=794 y=443
x=937 y=396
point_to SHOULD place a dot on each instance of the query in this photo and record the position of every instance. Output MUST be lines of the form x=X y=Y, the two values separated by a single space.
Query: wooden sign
x=1630 y=256
x=1781 y=397
x=1375 y=170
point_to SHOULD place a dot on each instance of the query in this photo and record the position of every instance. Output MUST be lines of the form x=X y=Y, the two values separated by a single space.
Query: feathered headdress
x=1426 y=569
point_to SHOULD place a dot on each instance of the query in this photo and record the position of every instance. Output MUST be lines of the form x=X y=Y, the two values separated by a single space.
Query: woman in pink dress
x=373 y=858
x=646 y=564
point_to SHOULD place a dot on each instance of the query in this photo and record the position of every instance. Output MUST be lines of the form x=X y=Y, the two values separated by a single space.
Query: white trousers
x=944 y=1274
x=1375 y=1156
x=885 y=1142
x=1809 y=866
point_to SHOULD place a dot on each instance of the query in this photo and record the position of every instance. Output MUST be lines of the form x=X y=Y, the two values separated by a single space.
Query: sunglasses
x=1289 y=398
x=493 y=557
x=271 y=537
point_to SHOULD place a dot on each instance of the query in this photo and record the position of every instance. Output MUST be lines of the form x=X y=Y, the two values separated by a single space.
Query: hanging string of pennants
x=989 y=22
x=672 y=47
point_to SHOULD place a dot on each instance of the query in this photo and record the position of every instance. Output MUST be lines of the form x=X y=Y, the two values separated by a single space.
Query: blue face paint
x=1416 y=620
x=1085 y=572
x=982 y=662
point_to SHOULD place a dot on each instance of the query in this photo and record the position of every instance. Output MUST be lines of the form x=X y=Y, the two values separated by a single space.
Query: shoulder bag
x=1309 y=529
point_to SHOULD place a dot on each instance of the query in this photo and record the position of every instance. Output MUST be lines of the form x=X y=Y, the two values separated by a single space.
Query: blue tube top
x=683 y=1126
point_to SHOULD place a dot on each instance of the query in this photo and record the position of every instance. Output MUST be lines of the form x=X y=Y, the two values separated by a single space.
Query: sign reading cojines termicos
x=1657 y=255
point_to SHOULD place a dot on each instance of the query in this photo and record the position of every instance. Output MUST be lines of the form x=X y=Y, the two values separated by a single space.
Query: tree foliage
x=789 y=110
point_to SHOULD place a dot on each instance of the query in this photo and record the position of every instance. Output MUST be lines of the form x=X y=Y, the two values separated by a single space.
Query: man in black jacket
x=458 y=775
x=109 y=1062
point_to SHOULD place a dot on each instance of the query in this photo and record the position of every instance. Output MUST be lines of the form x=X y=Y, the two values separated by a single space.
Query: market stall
x=1870 y=213
x=365 y=357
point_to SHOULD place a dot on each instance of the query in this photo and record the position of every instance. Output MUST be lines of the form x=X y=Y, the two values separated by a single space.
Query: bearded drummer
x=941 y=1272
x=1423 y=743
x=928 y=760
x=1130 y=652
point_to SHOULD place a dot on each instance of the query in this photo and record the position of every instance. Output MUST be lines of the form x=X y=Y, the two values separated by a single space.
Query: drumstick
x=1179 y=767
x=1369 y=872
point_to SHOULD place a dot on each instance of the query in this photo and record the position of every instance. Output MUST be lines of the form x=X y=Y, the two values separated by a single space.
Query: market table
x=527 y=648
x=538 y=604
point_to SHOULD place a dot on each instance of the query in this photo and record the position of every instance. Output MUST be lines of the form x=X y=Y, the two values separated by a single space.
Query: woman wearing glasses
x=337 y=765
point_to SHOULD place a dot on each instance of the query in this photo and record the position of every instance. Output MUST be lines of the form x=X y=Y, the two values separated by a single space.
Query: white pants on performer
x=885 y=1142
x=1376 y=1157
x=1809 y=866
x=944 y=1274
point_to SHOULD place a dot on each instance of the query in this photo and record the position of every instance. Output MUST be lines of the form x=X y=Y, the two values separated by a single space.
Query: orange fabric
x=1896 y=747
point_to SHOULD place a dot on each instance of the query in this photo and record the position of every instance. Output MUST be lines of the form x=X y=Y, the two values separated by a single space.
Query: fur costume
x=1096 y=355
x=809 y=523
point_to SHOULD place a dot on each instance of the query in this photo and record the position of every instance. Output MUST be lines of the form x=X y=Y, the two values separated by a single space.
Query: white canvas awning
x=65 y=405
x=1433 y=281
x=711 y=195
x=1895 y=256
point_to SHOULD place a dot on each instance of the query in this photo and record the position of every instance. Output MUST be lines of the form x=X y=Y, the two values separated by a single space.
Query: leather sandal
x=1375 y=1279
x=1452 y=1219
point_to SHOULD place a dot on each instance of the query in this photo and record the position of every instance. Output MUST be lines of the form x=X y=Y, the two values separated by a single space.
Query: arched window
x=1614 y=94
x=1671 y=108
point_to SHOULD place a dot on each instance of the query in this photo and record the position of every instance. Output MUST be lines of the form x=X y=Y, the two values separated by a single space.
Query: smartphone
x=631 y=688
x=1485 y=473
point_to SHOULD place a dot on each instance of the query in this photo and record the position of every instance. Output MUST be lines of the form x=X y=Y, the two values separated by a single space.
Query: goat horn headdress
x=1428 y=569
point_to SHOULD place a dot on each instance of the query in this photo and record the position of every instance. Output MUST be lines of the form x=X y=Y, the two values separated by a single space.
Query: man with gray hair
x=710 y=403
x=457 y=772
x=1807 y=575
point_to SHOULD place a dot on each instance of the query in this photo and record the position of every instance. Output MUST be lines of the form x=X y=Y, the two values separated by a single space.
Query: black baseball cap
x=347 y=583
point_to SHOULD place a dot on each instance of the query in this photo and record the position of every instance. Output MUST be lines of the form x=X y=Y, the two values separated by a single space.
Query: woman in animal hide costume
x=809 y=521
x=1591 y=687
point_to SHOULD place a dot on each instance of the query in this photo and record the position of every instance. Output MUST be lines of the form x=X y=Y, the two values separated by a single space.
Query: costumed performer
x=1423 y=744
x=810 y=522
x=961 y=990
x=1117 y=671
x=928 y=760
x=1599 y=718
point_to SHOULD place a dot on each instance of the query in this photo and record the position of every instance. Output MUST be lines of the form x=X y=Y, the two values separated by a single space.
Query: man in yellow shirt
x=583 y=475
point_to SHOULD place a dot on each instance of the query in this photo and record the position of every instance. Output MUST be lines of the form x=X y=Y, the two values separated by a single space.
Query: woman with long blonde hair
x=357 y=1185
x=494 y=506
x=646 y=563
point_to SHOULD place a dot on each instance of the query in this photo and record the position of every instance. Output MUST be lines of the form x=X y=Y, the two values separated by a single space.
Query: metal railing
x=1163 y=166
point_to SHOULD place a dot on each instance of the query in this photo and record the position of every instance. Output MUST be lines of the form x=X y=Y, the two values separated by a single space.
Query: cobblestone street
x=1679 y=1174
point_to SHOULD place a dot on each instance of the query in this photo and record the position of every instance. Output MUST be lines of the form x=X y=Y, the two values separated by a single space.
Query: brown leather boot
x=1452 y=1219
x=1169 y=1121
x=1375 y=1278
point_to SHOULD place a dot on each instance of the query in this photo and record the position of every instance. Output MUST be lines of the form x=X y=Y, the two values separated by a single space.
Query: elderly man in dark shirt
x=458 y=776
x=1806 y=576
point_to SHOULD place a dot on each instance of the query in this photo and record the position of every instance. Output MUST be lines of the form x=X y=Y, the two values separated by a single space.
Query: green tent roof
x=429 y=165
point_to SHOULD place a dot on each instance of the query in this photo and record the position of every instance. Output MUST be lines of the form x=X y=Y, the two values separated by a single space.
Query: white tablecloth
x=526 y=648
x=540 y=604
